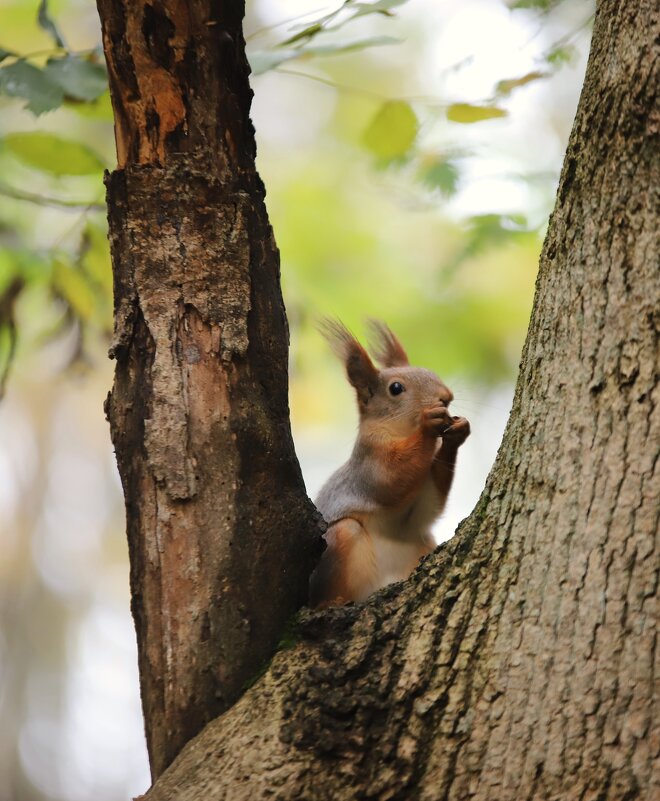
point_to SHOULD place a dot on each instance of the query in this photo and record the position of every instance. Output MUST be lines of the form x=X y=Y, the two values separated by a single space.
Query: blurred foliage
x=56 y=272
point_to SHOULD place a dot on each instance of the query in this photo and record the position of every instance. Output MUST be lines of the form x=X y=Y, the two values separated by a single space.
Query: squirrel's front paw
x=458 y=431
x=436 y=419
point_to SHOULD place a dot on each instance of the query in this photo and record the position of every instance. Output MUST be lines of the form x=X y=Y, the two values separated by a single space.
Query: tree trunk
x=517 y=663
x=222 y=537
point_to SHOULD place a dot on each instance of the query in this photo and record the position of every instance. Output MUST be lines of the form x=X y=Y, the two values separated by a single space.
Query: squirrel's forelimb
x=444 y=461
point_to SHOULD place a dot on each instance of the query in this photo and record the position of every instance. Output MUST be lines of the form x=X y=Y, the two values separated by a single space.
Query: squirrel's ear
x=360 y=370
x=385 y=346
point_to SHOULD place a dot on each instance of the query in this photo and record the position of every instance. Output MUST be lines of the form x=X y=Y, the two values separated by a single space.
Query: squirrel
x=379 y=506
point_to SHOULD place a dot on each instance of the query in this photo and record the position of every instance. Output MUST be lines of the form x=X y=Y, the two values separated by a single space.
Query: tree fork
x=518 y=661
x=222 y=537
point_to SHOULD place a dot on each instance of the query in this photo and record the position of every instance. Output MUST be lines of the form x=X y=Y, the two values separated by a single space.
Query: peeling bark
x=518 y=661
x=222 y=537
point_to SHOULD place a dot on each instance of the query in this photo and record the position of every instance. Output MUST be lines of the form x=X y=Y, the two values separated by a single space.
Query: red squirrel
x=380 y=505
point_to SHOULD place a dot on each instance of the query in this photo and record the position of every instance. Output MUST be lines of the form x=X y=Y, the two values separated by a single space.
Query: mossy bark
x=222 y=537
x=518 y=661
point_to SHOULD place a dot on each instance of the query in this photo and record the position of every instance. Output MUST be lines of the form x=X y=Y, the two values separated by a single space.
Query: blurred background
x=411 y=151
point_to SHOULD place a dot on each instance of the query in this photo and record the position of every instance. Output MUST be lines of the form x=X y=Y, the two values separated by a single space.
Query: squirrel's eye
x=396 y=388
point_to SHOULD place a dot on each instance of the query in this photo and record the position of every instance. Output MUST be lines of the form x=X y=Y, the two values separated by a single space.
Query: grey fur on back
x=340 y=496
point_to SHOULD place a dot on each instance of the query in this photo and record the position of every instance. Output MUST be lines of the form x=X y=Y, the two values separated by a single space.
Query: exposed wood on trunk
x=518 y=662
x=221 y=535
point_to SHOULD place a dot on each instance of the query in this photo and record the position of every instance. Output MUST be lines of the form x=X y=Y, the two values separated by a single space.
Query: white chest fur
x=401 y=539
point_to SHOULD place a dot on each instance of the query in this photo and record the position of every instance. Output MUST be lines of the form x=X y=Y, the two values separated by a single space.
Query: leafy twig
x=52 y=202
x=333 y=84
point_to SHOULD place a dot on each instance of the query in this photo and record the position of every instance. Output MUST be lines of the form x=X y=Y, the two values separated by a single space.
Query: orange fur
x=404 y=465
x=347 y=569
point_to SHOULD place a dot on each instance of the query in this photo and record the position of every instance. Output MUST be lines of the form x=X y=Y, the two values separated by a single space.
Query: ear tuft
x=360 y=370
x=338 y=336
x=385 y=346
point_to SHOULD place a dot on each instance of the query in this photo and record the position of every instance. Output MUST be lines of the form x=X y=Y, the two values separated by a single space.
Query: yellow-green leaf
x=392 y=130
x=466 y=113
x=53 y=154
x=71 y=284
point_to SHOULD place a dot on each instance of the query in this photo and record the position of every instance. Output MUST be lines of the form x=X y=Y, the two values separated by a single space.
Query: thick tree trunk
x=518 y=662
x=221 y=535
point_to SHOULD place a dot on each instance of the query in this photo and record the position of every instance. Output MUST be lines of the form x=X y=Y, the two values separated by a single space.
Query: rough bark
x=518 y=661
x=221 y=535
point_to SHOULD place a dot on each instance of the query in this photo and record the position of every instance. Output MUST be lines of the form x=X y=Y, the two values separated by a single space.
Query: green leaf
x=5 y=54
x=503 y=88
x=440 y=174
x=561 y=55
x=306 y=33
x=310 y=29
x=487 y=231
x=466 y=113
x=51 y=153
x=79 y=78
x=32 y=84
x=392 y=130
x=47 y=24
